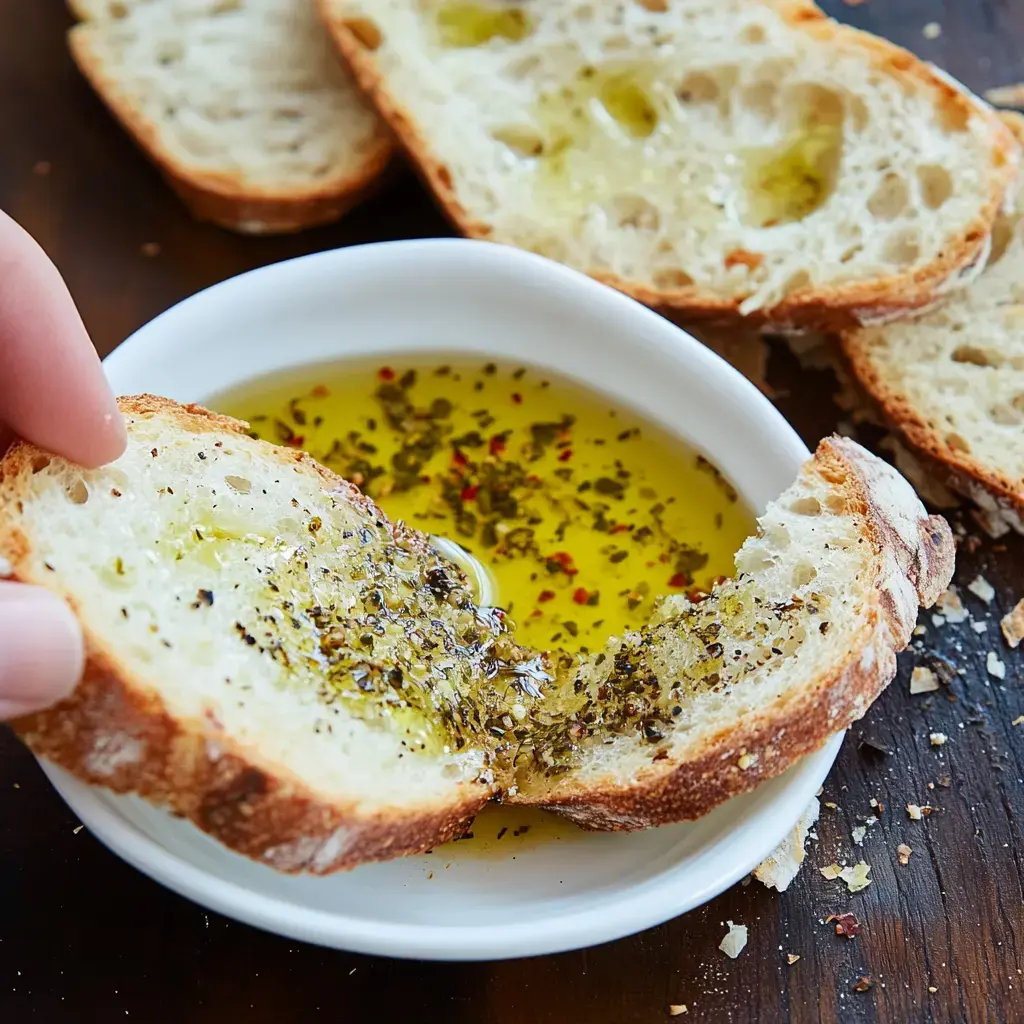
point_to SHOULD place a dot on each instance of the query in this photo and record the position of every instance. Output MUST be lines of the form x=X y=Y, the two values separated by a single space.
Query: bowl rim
x=660 y=897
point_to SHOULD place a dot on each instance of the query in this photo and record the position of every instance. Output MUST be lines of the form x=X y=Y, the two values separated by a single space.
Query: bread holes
x=169 y=52
x=522 y=140
x=671 y=279
x=239 y=484
x=836 y=504
x=955 y=114
x=654 y=6
x=890 y=197
x=1005 y=415
x=858 y=113
x=40 y=462
x=975 y=356
x=761 y=99
x=698 y=87
x=851 y=253
x=936 y=185
x=1018 y=402
x=903 y=248
x=635 y=212
x=803 y=573
x=957 y=442
x=815 y=104
x=801 y=279
x=77 y=491
x=753 y=35
x=807 y=506
x=1002 y=235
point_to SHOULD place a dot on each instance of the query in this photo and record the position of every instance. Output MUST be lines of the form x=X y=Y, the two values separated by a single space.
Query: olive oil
x=464 y=25
x=789 y=182
x=583 y=513
x=500 y=830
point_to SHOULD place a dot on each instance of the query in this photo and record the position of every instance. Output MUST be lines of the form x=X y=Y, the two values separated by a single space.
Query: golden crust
x=116 y=733
x=224 y=199
x=804 y=719
x=837 y=307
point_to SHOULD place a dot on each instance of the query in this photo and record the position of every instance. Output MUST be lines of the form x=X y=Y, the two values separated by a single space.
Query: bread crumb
x=780 y=868
x=42 y=168
x=1019 y=720
x=831 y=871
x=858 y=834
x=937 y=738
x=1012 y=625
x=150 y=249
x=734 y=941
x=791 y=958
x=951 y=606
x=932 y=30
x=919 y=811
x=923 y=680
x=920 y=630
x=678 y=1009
x=995 y=666
x=903 y=852
x=863 y=984
x=77 y=829
x=981 y=587
x=979 y=627
x=1006 y=95
x=932 y=988
x=856 y=877
x=746 y=761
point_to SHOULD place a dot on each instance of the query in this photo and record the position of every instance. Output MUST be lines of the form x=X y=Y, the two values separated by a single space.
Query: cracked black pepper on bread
x=315 y=687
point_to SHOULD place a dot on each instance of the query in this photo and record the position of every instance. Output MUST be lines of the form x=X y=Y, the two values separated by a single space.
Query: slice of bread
x=273 y=659
x=242 y=104
x=951 y=383
x=736 y=688
x=716 y=157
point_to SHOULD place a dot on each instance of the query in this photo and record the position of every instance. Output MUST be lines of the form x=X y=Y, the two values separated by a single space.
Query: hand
x=53 y=393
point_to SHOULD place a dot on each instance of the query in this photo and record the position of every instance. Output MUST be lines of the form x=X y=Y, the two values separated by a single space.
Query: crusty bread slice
x=313 y=685
x=951 y=383
x=733 y=690
x=717 y=157
x=243 y=106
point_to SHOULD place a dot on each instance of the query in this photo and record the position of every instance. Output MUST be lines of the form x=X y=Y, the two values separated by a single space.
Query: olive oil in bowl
x=582 y=513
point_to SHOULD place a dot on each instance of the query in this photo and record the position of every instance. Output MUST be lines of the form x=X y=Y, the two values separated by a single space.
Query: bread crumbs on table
x=678 y=1009
x=932 y=30
x=856 y=877
x=919 y=811
x=77 y=829
x=864 y=983
x=735 y=940
x=903 y=852
x=923 y=680
x=995 y=666
x=937 y=739
x=1012 y=625
x=791 y=958
x=981 y=588
x=1019 y=720
x=830 y=871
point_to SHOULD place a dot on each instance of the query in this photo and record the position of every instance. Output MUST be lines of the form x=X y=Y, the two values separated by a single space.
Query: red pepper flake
x=619 y=528
x=679 y=580
x=320 y=391
x=695 y=595
x=458 y=458
x=536 y=613
x=564 y=560
x=517 y=398
x=296 y=441
x=545 y=595
x=469 y=493
x=846 y=924
x=565 y=456
x=497 y=445
x=386 y=373
x=580 y=595
x=864 y=983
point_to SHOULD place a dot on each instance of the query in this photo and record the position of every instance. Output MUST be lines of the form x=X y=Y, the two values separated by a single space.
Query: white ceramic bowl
x=484 y=300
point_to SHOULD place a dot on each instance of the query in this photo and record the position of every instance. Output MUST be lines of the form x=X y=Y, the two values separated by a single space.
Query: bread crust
x=838 y=307
x=911 y=569
x=225 y=199
x=115 y=733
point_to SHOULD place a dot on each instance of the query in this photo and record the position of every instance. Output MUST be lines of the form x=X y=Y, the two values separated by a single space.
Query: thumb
x=41 y=650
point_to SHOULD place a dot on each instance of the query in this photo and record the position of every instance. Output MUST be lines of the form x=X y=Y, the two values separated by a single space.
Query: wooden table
x=83 y=937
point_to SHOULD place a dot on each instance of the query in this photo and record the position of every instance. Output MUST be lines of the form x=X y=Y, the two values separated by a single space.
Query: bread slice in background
x=763 y=671
x=248 y=618
x=688 y=128
x=242 y=104
x=951 y=383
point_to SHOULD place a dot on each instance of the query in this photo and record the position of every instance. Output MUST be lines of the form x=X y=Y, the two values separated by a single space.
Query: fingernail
x=41 y=649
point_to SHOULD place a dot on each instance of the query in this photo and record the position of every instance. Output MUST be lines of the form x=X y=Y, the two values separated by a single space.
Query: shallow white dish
x=492 y=301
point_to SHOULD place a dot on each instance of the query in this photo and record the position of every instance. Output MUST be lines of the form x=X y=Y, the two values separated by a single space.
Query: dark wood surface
x=85 y=938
